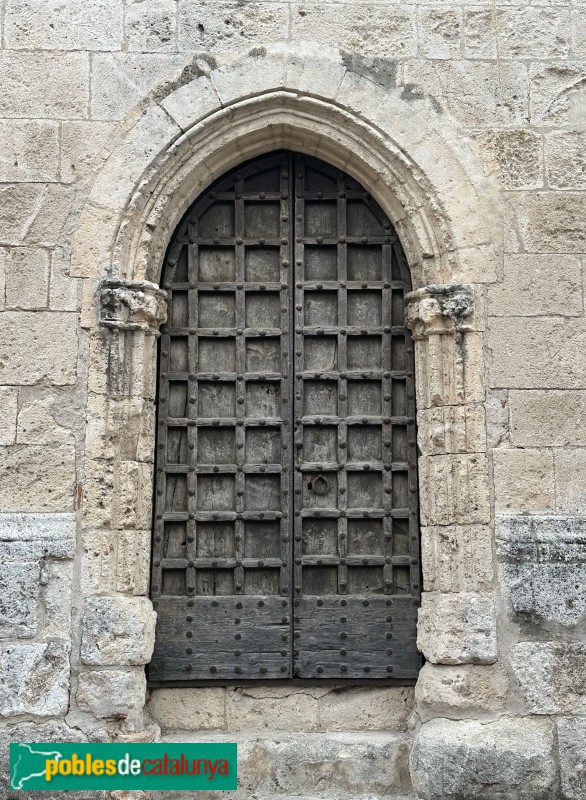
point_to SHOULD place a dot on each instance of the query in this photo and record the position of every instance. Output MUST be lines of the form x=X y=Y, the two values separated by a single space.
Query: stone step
x=313 y=766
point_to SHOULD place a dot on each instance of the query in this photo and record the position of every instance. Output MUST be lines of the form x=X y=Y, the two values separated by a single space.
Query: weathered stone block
x=439 y=32
x=459 y=692
x=116 y=561
x=19 y=594
x=151 y=26
x=118 y=631
x=34 y=678
x=31 y=150
x=23 y=488
x=551 y=676
x=571 y=738
x=454 y=489
x=8 y=410
x=188 y=709
x=547 y=418
x=365 y=709
x=227 y=26
x=560 y=343
x=543 y=570
x=520 y=32
x=557 y=93
x=84 y=145
x=57 y=600
x=37 y=347
x=27 y=278
x=120 y=428
x=257 y=708
x=523 y=480
x=537 y=285
x=117 y=494
x=93 y=25
x=457 y=628
x=39 y=535
x=106 y=692
x=40 y=415
x=484 y=761
x=550 y=222
x=456 y=558
x=514 y=155
x=451 y=429
x=570 y=481
x=64 y=291
x=27 y=92
x=190 y=103
x=565 y=158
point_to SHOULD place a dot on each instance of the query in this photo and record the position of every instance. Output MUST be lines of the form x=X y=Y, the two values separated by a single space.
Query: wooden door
x=285 y=532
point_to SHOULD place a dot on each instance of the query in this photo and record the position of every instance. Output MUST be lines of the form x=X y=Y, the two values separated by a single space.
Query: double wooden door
x=286 y=539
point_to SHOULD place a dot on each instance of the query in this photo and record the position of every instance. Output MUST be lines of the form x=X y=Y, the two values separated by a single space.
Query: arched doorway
x=286 y=539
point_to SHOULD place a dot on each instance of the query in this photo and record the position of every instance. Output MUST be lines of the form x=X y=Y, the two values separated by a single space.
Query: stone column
x=118 y=622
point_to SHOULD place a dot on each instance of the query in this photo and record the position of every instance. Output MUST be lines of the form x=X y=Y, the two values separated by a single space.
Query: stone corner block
x=507 y=758
x=457 y=628
x=571 y=738
x=107 y=692
x=459 y=691
x=34 y=678
x=118 y=630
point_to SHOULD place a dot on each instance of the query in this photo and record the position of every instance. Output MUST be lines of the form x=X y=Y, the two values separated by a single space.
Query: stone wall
x=467 y=122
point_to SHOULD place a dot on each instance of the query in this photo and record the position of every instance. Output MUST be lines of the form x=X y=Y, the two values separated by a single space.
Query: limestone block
x=120 y=428
x=84 y=145
x=19 y=594
x=279 y=707
x=192 y=102
x=456 y=558
x=117 y=630
x=106 y=692
x=543 y=571
x=497 y=418
x=571 y=738
x=449 y=372
x=484 y=760
x=92 y=25
x=439 y=32
x=385 y=29
x=34 y=678
x=451 y=429
x=64 y=290
x=57 y=600
x=560 y=345
x=548 y=418
x=115 y=561
x=3 y=256
x=8 y=411
x=27 y=278
x=188 y=709
x=24 y=488
x=27 y=93
x=472 y=91
x=209 y=26
x=37 y=423
x=550 y=222
x=457 y=628
x=536 y=285
x=121 y=80
x=521 y=33
x=232 y=81
x=462 y=691
x=33 y=214
x=570 y=481
x=523 y=480
x=92 y=246
x=39 y=535
x=579 y=32
x=151 y=26
x=551 y=676
x=365 y=709
x=118 y=494
x=30 y=150
x=454 y=489
x=565 y=158
x=514 y=155
x=557 y=94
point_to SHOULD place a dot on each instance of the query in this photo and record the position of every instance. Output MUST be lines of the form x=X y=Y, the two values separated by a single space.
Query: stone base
x=317 y=766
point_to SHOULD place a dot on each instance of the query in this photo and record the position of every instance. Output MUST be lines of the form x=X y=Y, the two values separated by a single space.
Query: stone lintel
x=132 y=305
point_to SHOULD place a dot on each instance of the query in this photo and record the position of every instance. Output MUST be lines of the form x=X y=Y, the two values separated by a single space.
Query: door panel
x=285 y=532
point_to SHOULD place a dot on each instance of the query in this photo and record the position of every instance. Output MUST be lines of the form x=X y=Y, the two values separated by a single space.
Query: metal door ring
x=320 y=484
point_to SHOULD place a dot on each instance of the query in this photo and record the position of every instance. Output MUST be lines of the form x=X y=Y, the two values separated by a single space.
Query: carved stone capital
x=132 y=305
x=440 y=309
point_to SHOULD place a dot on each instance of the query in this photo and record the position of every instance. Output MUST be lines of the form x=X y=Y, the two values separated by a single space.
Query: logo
x=204 y=766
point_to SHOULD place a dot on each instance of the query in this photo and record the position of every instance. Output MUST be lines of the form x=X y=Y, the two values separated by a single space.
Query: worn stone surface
x=460 y=692
x=22 y=488
x=19 y=593
x=515 y=156
x=84 y=145
x=30 y=150
x=517 y=33
x=543 y=570
x=484 y=761
x=8 y=412
x=188 y=709
x=273 y=708
x=456 y=558
x=571 y=737
x=39 y=535
x=548 y=418
x=566 y=160
x=439 y=32
x=38 y=348
x=105 y=693
x=364 y=708
x=27 y=278
x=551 y=676
x=570 y=486
x=454 y=489
x=151 y=26
x=117 y=630
x=65 y=95
x=549 y=222
x=457 y=628
x=451 y=429
x=229 y=26
x=34 y=678
x=523 y=480
x=115 y=561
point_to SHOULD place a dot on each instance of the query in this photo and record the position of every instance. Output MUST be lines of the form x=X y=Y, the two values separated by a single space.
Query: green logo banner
x=54 y=767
